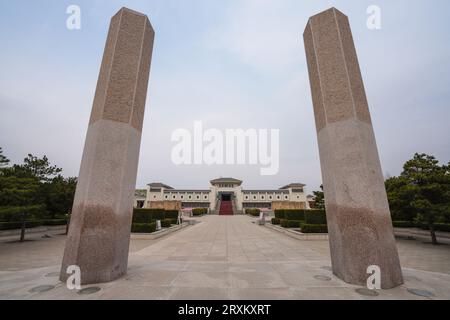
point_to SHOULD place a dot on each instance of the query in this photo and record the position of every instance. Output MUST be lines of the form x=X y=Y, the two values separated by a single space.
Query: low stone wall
x=158 y=234
x=166 y=205
x=288 y=205
x=298 y=235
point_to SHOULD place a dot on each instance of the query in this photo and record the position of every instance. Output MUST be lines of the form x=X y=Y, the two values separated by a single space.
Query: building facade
x=225 y=190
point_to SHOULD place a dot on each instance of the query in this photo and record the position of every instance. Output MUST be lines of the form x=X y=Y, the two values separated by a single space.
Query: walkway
x=223 y=258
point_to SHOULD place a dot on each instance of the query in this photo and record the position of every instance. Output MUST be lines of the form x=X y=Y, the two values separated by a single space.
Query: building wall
x=242 y=198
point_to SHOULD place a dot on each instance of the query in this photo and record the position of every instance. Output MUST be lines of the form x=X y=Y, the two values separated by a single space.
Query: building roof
x=191 y=190
x=160 y=185
x=226 y=180
x=293 y=185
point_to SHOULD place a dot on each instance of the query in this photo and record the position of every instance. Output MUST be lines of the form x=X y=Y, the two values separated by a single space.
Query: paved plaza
x=218 y=258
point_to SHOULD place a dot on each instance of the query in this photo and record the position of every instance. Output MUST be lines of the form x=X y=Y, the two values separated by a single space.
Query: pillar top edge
x=333 y=9
x=136 y=13
x=125 y=9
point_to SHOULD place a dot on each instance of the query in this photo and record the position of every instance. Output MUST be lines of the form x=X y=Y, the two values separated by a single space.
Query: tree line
x=419 y=196
x=34 y=190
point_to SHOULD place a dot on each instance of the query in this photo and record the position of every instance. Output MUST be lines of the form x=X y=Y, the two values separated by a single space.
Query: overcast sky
x=231 y=64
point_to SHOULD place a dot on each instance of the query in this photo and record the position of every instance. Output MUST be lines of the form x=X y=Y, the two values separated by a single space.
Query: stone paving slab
x=231 y=258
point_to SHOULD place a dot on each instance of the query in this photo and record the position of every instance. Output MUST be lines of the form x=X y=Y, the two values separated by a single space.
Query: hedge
x=18 y=225
x=290 y=223
x=54 y=222
x=279 y=214
x=276 y=221
x=253 y=212
x=404 y=224
x=443 y=227
x=149 y=215
x=143 y=227
x=315 y=217
x=314 y=228
x=294 y=215
x=171 y=214
x=199 y=212
x=166 y=223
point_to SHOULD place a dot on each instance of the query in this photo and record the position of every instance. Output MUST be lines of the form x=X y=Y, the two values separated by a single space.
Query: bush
x=290 y=223
x=296 y=215
x=147 y=215
x=166 y=223
x=315 y=217
x=174 y=221
x=314 y=228
x=199 y=212
x=279 y=214
x=253 y=212
x=143 y=227
x=276 y=221
x=171 y=214
x=404 y=224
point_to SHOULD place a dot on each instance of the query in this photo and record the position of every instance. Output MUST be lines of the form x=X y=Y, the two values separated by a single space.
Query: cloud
x=263 y=34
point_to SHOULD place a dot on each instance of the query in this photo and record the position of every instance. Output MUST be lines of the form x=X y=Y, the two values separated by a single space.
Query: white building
x=221 y=192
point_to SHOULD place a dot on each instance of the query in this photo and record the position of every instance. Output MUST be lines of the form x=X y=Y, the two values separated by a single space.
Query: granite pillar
x=359 y=221
x=99 y=233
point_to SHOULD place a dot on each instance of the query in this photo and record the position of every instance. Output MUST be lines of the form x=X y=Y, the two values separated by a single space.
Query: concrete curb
x=159 y=234
x=298 y=235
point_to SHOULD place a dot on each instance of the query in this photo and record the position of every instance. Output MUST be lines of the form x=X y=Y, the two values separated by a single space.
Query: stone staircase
x=226 y=208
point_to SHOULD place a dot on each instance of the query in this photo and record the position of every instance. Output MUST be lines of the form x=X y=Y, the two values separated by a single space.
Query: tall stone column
x=359 y=221
x=100 y=227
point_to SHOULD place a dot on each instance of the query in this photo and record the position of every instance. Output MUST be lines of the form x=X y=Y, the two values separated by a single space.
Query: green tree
x=421 y=192
x=18 y=198
x=33 y=189
x=40 y=168
x=4 y=161
x=319 y=202
x=59 y=195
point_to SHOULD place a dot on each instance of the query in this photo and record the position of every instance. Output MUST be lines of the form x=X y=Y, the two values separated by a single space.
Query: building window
x=167 y=197
x=182 y=197
x=278 y=197
x=262 y=197
x=254 y=198
x=198 y=197
x=174 y=197
x=190 y=197
x=206 y=197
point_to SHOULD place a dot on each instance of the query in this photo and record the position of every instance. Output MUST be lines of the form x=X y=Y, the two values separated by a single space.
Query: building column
x=359 y=221
x=100 y=227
